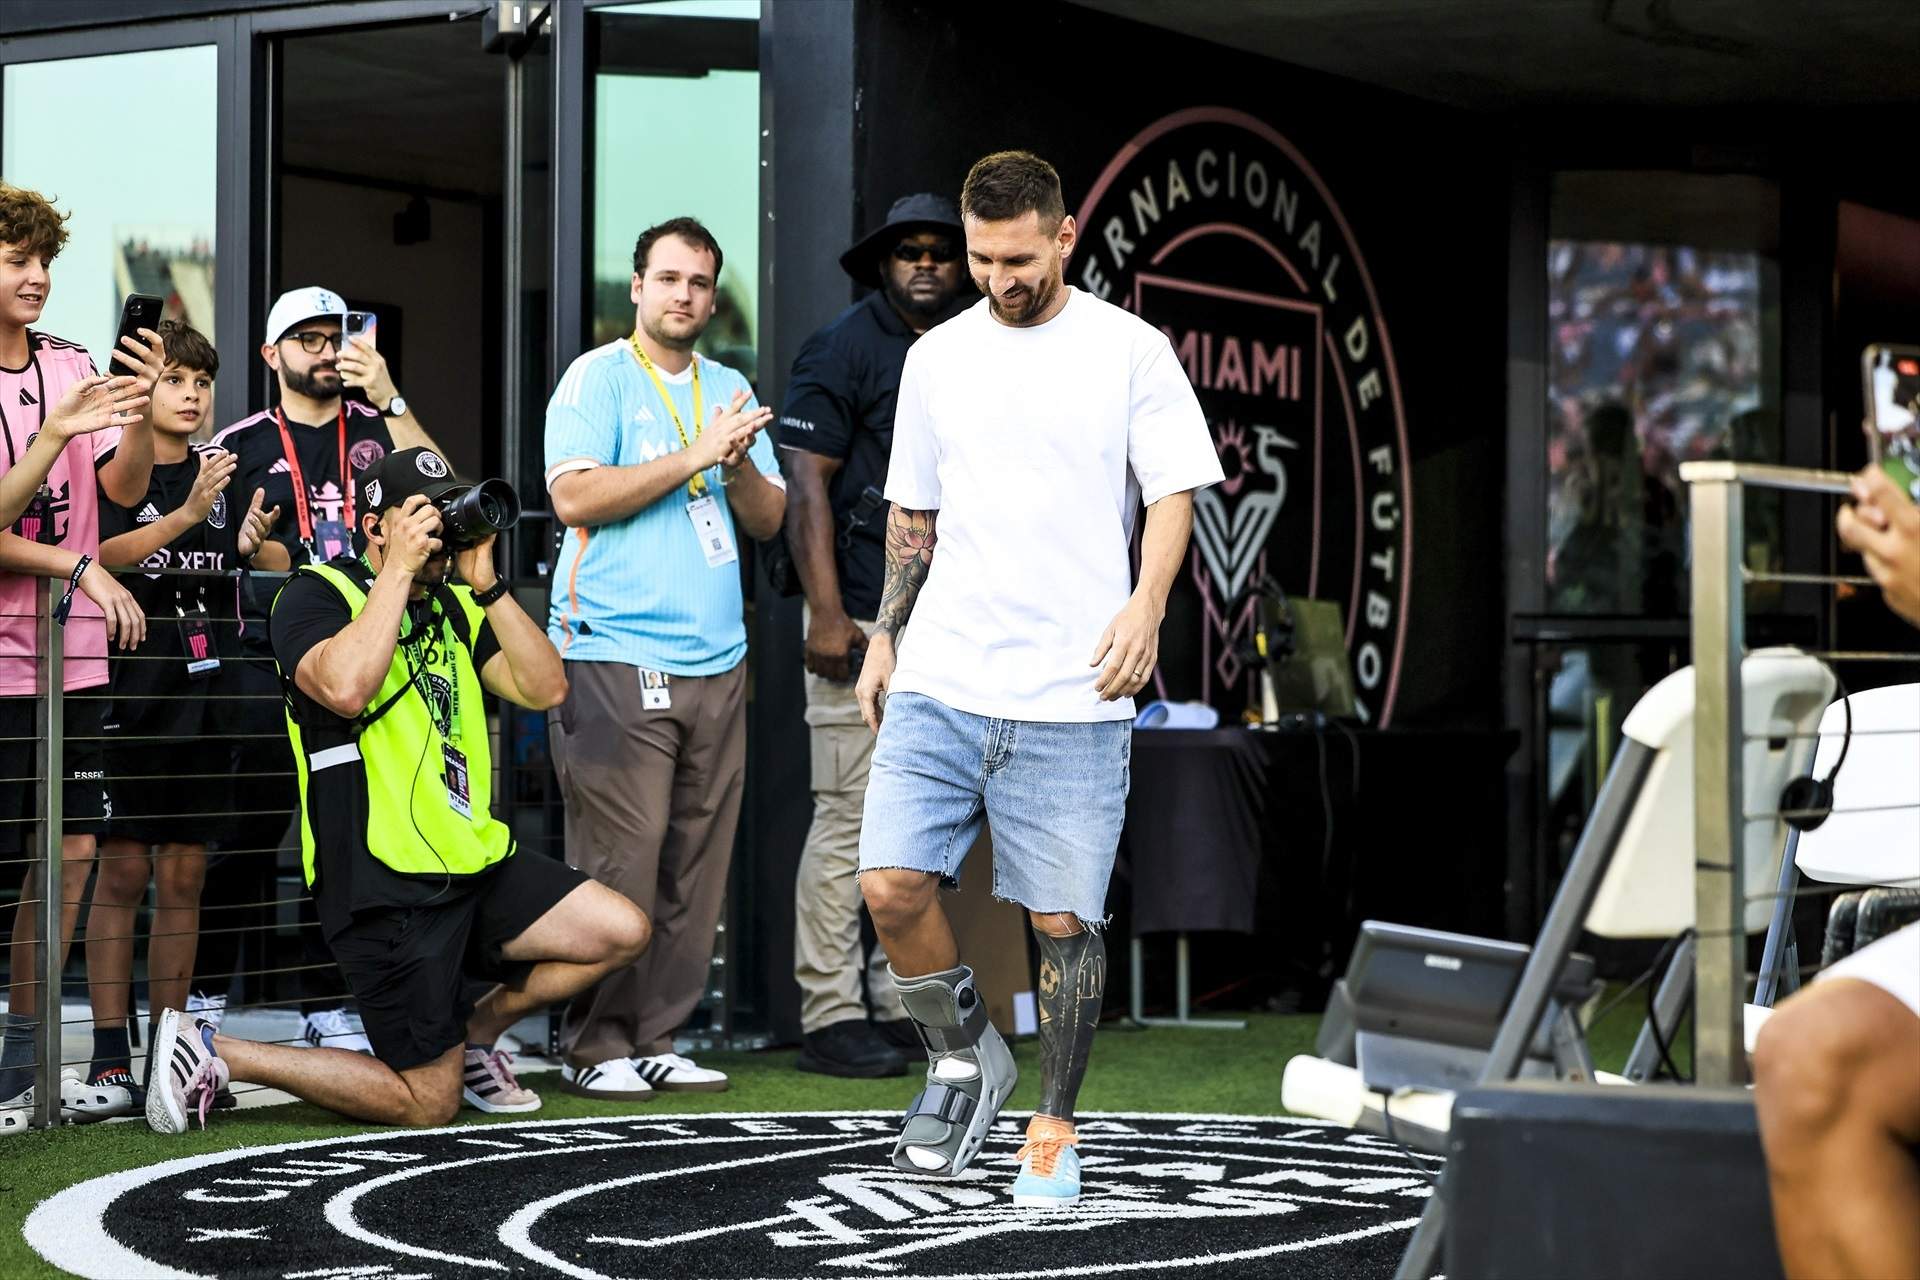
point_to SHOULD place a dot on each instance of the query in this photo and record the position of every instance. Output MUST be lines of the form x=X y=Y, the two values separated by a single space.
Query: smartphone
x=139 y=311
x=1891 y=374
x=361 y=325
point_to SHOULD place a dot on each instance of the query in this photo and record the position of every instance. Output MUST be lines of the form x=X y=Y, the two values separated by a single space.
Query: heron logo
x=790 y=1196
x=1214 y=228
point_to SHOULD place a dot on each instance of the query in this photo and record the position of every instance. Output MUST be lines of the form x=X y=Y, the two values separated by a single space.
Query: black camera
x=474 y=513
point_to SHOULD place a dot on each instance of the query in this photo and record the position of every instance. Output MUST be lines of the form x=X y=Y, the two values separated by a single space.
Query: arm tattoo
x=910 y=539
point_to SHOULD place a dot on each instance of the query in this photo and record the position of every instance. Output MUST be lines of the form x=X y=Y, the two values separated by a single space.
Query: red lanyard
x=300 y=481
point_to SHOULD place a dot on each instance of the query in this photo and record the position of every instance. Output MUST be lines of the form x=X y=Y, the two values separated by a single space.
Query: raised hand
x=364 y=367
x=145 y=361
x=216 y=472
x=257 y=524
x=94 y=404
x=413 y=535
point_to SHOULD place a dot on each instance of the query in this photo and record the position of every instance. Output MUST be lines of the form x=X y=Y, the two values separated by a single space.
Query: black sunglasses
x=939 y=251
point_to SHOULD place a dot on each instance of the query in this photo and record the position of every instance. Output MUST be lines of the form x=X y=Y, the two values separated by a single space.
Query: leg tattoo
x=1073 y=980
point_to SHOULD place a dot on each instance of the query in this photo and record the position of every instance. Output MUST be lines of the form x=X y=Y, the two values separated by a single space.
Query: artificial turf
x=1133 y=1069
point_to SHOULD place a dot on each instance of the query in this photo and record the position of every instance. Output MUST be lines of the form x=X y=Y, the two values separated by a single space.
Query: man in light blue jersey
x=657 y=468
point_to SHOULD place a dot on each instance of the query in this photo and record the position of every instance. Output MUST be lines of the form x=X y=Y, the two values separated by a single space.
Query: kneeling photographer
x=418 y=886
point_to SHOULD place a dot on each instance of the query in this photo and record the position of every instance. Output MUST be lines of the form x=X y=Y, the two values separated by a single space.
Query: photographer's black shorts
x=409 y=967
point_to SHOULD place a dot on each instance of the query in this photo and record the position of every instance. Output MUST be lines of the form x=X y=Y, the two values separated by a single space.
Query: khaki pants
x=653 y=800
x=827 y=959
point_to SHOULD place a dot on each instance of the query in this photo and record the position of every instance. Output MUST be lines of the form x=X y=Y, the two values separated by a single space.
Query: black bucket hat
x=920 y=212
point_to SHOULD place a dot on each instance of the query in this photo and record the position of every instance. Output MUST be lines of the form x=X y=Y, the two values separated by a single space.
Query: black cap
x=922 y=212
x=403 y=473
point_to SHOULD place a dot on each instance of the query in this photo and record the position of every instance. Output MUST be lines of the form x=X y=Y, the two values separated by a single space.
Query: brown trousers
x=653 y=800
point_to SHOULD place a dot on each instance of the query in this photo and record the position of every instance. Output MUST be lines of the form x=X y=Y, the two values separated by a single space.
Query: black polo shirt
x=840 y=404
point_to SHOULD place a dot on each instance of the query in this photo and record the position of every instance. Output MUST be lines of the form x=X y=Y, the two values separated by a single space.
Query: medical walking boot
x=970 y=1073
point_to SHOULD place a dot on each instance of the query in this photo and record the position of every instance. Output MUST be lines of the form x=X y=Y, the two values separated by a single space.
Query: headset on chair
x=1807 y=801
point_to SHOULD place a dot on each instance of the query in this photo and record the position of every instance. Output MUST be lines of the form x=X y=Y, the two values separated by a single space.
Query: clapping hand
x=216 y=472
x=94 y=404
x=257 y=525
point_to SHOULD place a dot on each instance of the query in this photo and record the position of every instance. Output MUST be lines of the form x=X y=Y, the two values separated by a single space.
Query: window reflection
x=142 y=215
x=1657 y=357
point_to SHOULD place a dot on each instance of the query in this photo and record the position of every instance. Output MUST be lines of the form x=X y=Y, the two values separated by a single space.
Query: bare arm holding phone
x=363 y=367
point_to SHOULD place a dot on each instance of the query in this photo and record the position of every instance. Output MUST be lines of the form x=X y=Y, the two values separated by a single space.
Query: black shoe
x=852 y=1050
x=901 y=1035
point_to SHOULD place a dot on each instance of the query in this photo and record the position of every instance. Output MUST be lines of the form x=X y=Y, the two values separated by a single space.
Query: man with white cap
x=307 y=453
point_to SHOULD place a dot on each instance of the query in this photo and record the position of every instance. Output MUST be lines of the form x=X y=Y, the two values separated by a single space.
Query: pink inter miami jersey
x=72 y=520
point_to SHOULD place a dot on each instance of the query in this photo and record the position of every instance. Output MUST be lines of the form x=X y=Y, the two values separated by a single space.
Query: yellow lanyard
x=697 y=485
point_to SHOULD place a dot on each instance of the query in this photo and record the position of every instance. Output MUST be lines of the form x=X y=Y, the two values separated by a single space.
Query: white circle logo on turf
x=776 y=1197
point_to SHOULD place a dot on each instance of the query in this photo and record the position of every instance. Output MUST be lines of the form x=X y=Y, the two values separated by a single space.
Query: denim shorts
x=1054 y=795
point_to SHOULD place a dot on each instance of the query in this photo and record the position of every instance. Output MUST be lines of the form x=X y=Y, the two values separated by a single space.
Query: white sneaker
x=490 y=1085
x=614 y=1080
x=332 y=1029
x=210 y=1008
x=671 y=1073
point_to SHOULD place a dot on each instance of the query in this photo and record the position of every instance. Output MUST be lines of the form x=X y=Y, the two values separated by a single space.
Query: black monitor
x=1418 y=993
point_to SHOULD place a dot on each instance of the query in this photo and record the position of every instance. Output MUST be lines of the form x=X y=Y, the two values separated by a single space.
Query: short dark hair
x=29 y=219
x=1008 y=183
x=689 y=229
x=189 y=348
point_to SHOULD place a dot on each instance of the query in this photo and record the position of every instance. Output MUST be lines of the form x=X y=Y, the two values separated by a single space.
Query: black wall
x=931 y=87
x=1423 y=188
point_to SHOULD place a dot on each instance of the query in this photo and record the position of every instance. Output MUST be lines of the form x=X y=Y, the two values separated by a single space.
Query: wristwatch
x=492 y=593
x=396 y=407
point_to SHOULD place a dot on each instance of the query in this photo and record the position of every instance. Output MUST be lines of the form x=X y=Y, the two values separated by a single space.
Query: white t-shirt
x=1036 y=446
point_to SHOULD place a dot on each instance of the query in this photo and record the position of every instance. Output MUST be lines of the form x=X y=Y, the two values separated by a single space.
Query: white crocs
x=110 y=1096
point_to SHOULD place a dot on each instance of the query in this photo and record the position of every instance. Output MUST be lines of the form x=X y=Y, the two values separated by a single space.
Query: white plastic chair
x=1872 y=837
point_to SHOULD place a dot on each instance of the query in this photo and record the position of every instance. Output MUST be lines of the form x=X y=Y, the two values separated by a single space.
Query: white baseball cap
x=295 y=305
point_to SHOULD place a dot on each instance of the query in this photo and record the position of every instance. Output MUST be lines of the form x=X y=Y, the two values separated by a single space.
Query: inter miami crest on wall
x=1210 y=225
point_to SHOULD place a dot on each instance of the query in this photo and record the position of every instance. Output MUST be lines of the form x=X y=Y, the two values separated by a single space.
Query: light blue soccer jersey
x=640 y=591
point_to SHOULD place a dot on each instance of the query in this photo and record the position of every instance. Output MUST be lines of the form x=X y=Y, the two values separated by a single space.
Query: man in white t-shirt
x=1028 y=431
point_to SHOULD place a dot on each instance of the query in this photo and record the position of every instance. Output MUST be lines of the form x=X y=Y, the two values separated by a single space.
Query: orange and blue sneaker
x=1049 y=1166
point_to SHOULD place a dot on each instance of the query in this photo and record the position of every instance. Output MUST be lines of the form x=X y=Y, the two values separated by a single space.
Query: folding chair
x=1631 y=876
x=1872 y=837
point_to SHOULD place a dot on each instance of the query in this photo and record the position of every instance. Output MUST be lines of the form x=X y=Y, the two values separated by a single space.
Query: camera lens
x=474 y=514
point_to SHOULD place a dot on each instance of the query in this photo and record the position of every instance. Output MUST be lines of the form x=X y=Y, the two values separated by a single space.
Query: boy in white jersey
x=58 y=417
x=1027 y=432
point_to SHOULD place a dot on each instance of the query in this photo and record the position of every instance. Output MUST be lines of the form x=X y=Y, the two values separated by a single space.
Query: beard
x=316 y=383
x=931 y=307
x=680 y=337
x=1026 y=305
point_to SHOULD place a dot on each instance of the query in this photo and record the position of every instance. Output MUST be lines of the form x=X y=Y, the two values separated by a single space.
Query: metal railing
x=267 y=918
x=1722 y=812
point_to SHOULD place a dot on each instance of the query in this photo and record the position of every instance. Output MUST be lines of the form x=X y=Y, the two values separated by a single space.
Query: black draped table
x=1289 y=839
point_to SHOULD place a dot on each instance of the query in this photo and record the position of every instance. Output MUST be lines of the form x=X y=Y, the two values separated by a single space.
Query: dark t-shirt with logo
x=839 y=404
x=263 y=464
x=189 y=619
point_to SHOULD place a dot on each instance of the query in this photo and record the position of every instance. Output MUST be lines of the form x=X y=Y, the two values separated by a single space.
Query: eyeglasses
x=314 y=342
x=913 y=251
